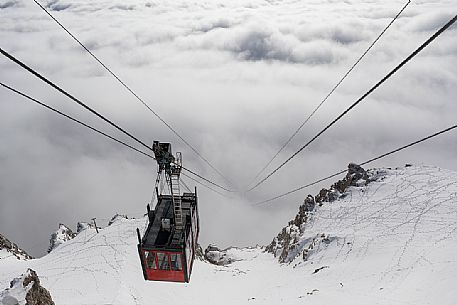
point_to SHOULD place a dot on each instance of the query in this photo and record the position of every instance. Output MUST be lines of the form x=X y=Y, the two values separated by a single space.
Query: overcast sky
x=235 y=78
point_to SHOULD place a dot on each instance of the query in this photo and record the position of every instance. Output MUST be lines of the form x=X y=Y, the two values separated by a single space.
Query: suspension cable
x=363 y=163
x=85 y=106
x=329 y=94
x=103 y=133
x=76 y=120
x=156 y=186
x=209 y=181
x=135 y=95
x=406 y=60
x=204 y=185
x=185 y=185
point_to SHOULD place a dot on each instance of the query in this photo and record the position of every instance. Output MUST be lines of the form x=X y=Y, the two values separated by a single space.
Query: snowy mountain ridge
x=292 y=241
x=390 y=241
x=62 y=235
x=10 y=249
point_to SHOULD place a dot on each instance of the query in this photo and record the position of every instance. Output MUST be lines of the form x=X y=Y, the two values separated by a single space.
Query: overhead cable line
x=185 y=185
x=135 y=95
x=203 y=178
x=44 y=79
x=330 y=93
x=204 y=185
x=75 y=120
x=79 y=102
x=105 y=134
x=406 y=60
x=363 y=163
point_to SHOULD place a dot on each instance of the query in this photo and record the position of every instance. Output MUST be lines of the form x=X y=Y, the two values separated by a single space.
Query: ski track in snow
x=395 y=243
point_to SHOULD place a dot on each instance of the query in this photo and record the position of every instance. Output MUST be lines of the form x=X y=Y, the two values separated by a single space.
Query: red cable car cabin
x=167 y=249
x=168 y=254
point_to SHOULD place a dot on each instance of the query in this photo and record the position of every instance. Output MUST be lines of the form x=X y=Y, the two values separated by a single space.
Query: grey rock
x=29 y=283
x=117 y=217
x=62 y=235
x=13 y=248
x=37 y=295
x=286 y=245
x=216 y=256
x=81 y=226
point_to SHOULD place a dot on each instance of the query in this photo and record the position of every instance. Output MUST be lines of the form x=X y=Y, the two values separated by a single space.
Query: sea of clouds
x=235 y=78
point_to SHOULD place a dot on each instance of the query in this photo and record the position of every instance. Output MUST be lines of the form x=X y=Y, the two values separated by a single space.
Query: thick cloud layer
x=235 y=79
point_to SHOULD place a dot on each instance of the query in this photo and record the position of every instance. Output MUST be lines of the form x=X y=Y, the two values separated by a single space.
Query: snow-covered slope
x=393 y=241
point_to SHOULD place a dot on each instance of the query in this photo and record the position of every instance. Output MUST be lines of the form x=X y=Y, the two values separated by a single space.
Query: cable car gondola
x=167 y=248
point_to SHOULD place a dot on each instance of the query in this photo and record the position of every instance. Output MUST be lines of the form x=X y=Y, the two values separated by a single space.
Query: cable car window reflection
x=175 y=260
x=163 y=261
x=151 y=260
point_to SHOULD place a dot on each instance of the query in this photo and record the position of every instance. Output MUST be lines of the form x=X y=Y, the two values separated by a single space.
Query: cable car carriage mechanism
x=167 y=248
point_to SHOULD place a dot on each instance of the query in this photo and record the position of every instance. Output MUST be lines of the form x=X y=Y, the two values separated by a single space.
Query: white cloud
x=56 y=5
x=429 y=21
x=235 y=78
x=8 y=3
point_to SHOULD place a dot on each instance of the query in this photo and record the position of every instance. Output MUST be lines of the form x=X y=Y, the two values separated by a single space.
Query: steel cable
x=363 y=163
x=330 y=93
x=104 y=134
x=406 y=60
x=134 y=94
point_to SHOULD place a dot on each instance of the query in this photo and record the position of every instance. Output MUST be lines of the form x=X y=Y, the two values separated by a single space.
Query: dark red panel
x=153 y=271
x=162 y=275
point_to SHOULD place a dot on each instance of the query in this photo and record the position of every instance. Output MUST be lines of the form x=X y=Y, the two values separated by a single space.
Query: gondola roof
x=160 y=232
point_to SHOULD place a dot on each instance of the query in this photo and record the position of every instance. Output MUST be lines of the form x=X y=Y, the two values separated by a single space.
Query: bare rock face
x=117 y=217
x=81 y=226
x=219 y=257
x=288 y=244
x=12 y=249
x=37 y=295
x=62 y=235
x=27 y=290
x=356 y=176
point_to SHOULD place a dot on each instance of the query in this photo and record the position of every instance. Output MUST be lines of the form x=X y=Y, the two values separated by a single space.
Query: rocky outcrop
x=286 y=243
x=27 y=290
x=289 y=243
x=81 y=226
x=62 y=235
x=12 y=249
x=117 y=217
x=356 y=176
x=37 y=295
x=315 y=244
x=219 y=257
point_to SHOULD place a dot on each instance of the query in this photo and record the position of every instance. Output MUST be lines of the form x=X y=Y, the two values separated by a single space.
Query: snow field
x=391 y=242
